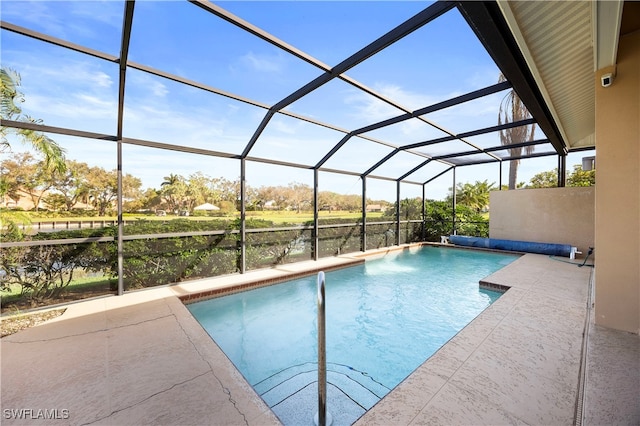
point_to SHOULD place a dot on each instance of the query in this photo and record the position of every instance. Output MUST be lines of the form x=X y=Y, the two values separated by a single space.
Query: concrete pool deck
x=142 y=358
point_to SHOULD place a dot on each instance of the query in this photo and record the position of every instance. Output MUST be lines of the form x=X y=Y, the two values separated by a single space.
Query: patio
x=517 y=362
x=560 y=347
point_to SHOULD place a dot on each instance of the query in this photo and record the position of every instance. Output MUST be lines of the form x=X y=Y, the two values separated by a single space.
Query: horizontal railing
x=58 y=225
x=151 y=259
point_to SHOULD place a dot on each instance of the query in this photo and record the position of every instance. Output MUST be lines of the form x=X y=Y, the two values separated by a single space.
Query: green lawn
x=274 y=216
x=89 y=286
x=293 y=217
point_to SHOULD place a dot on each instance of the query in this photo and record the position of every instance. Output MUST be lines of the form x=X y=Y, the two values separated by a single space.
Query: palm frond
x=9 y=82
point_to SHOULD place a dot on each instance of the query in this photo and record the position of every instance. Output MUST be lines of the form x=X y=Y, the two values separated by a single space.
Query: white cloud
x=94 y=106
x=59 y=92
x=232 y=108
x=263 y=62
x=483 y=77
x=368 y=108
x=66 y=20
x=145 y=84
x=110 y=12
x=101 y=79
x=38 y=14
x=158 y=89
x=85 y=75
x=469 y=114
x=282 y=127
x=405 y=98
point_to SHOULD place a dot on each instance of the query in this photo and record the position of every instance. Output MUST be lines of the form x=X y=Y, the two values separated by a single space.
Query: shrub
x=44 y=271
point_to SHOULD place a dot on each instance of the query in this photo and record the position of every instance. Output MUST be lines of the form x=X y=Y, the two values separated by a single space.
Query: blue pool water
x=384 y=319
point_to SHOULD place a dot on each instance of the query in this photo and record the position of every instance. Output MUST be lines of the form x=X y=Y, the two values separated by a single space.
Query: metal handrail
x=322 y=355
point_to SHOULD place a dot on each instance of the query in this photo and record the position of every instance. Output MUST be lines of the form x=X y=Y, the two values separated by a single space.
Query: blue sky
x=436 y=62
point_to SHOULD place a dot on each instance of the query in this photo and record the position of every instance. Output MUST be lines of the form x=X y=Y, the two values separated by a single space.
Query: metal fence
x=53 y=267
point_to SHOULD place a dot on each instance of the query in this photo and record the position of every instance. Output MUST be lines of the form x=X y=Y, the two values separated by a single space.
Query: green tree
x=199 y=186
x=25 y=176
x=103 y=188
x=351 y=202
x=474 y=195
x=225 y=190
x=11 y=175
x=328 y=200
x=72 y=184
x=52 y=153
x=581 y=177
x=548 y=179
x=299 y=196
x=172 y=191
x=512 y=109
x=55 y=202
x=577 y=177
x=410 y=209
x=148 y=199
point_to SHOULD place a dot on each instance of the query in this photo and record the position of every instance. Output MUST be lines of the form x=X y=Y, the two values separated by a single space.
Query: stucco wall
x=617 y=275
x=546 y=215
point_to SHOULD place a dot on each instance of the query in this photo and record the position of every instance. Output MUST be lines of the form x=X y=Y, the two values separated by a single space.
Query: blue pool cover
x=512 y=245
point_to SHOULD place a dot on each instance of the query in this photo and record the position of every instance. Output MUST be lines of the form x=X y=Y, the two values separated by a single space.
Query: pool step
x=362 y=389
x=300 y=408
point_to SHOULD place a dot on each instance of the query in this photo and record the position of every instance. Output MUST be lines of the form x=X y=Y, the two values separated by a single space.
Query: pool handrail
x=322 y=355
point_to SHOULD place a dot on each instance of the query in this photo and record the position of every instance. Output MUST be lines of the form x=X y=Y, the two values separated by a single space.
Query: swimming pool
x=384 y=318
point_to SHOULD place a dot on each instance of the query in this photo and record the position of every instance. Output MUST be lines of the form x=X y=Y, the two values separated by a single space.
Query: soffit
x=556 y=38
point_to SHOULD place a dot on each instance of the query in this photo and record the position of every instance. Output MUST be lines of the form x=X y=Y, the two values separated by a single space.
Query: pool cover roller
x=565 y=250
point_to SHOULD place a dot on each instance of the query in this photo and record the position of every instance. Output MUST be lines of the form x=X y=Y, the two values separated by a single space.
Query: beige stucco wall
x=545 y=215
x=617 y=203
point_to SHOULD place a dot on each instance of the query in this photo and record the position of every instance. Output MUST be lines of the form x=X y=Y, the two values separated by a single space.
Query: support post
x=453 y=204
x=424 y=213
x=397 y=213
x=124 y=54
x=120 y=239
x=243 y=216
x=363 y=239
x=562 y=171
x=321 y=417
x=316 y=218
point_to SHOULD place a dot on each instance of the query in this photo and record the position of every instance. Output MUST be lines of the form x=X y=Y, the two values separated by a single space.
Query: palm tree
x=474 y=195
x=173 y=190
x=512 y=109
x=172 y=179
x=53 y=153
x=54 y=161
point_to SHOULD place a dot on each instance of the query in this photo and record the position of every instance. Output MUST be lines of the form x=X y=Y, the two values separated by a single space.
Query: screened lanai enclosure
x=394 y=101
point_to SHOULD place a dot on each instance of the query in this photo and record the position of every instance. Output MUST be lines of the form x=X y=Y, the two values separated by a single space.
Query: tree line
x=476 y=195
x=78 y=188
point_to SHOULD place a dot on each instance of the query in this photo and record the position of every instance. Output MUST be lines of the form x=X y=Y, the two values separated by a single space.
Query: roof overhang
x=563 y=44
x=492 y=29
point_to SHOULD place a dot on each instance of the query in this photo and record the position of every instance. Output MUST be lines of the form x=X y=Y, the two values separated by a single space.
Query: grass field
x=274 y=216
